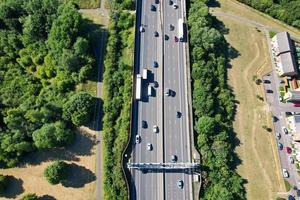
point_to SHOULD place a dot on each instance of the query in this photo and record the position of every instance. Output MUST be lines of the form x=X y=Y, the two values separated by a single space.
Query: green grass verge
x=287 y=185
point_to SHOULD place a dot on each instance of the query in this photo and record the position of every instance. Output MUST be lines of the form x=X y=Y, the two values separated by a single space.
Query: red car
x=296 y=105
x=288 y=150
x=175 y=39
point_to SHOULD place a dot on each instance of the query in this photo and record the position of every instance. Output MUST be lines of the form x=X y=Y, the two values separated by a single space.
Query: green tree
x=29 y=197
x=52 y=135
x=56 y=172
x=79 y=108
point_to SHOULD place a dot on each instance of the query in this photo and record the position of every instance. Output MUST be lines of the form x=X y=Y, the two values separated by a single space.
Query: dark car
x=290 y=197
x=155 y=34
x=144 y=124
x=166 y=37
x=170 y=2
x=280 y=146
x=267 y=81
x=155 y=64
x=153 y=8
x=171 y=27
x=175 y=39
x=275 y=119
x=288 y=150
x=178 y=114
x=157 y=1
x=155 y=84
x=269 y=91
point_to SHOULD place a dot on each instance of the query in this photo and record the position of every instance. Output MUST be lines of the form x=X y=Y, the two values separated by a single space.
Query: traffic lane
x=149 y=51
x=174 y=126
x=174 y=73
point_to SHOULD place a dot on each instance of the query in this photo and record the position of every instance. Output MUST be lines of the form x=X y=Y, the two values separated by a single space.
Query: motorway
x=160 y=110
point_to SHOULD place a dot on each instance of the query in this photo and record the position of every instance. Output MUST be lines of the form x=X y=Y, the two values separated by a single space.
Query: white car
x=142 y=29
x=155 y=129
x=291 y=159
x=137 y=139
x=285 y=173
x=175 y=6
x=149 y=147
x=285 y=130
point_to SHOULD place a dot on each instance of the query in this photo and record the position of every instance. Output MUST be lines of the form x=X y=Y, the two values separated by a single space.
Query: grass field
x=257 y=149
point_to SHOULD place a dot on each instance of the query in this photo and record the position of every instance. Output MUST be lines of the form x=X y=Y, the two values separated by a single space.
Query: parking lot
x=271 y=83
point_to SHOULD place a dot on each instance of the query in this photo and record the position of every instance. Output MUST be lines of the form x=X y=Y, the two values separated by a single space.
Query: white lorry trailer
x=180 y=30
x=138 y=91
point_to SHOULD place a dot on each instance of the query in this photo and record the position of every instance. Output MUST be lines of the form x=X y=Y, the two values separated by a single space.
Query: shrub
x=30 y=197
x=56 y=172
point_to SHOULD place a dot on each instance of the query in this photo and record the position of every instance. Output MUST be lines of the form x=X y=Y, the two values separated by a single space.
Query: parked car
x=149 y=147
x=174 y=158
x=155 y=84
x=274 y=118
x=175 y=6
x=288 y=150
x=155 y=64
x=269 y=91
x=157 y=1
x=291 y=159
x=267 y=81
x=180 y=184
x=155 y=129
x=296 y=105
x=278 y=135
x=137 y=139
x=285 y=130
x=285 y=173
x=291 y=197
x=156 y=34
x=280 y=146
x=170 y=2
x=144 y=124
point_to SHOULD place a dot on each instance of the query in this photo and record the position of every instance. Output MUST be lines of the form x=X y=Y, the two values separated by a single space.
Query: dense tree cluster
x=117 y=100
x=284 y=10
x=44 y=53
x=56 y=172
x=213 y=106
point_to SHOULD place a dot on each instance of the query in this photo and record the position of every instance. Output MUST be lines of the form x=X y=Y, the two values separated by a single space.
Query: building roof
x=288 y=63
x=295 y=96
x=284 y=42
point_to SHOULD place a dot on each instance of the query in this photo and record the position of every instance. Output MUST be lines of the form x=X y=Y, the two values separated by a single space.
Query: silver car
x=149 y=147
x=285 y=173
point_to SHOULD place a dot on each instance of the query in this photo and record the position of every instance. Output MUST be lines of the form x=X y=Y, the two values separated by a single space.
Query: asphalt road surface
x=158 y=109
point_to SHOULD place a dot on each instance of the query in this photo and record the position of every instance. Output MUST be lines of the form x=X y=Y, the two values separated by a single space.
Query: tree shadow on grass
x=46 y=197
x=14 y=187
x=78 y=176
x=82 y=146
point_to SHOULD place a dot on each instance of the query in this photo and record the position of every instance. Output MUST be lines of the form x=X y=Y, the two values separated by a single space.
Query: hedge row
x=117 y=85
